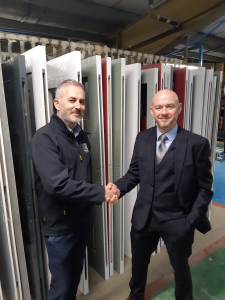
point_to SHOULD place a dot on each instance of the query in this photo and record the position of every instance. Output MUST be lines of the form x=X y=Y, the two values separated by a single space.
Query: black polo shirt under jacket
x=62 y=179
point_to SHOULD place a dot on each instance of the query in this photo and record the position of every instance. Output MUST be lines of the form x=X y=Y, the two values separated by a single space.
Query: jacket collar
x=59 y=124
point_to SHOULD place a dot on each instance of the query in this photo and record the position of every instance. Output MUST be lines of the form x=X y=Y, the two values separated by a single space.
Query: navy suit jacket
x=193 y=179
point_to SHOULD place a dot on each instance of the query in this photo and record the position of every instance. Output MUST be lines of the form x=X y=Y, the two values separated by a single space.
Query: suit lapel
x=151 y=153
x=180 y=153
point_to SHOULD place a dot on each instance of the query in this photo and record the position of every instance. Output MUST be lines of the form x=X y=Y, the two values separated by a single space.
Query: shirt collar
x=170 y=134
x=75 y=131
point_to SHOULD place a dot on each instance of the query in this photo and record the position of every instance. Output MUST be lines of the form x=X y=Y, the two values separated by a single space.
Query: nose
x=77 y=105
x=164 y=111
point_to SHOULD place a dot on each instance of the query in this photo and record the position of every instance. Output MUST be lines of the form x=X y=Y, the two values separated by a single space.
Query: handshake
x=112 y=193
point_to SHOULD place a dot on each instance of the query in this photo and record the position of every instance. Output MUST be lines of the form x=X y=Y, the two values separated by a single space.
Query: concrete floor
x=117 y=287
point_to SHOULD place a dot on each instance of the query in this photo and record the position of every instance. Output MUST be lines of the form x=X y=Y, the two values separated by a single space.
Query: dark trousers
x=66 y=257
x=178 y=236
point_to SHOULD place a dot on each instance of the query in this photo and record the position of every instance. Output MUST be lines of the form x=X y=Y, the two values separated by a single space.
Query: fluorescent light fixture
x=189 y=67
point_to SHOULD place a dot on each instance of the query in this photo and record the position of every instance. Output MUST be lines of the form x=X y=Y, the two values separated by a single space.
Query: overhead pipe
x=156 y=17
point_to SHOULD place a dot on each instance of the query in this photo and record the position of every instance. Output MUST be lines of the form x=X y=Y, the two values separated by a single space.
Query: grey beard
x=69 y=121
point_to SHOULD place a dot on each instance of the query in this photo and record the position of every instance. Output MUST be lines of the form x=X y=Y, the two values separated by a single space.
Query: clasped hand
x=112 y=193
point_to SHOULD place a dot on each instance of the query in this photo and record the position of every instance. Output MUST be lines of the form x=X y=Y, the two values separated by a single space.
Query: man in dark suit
x=172 y=167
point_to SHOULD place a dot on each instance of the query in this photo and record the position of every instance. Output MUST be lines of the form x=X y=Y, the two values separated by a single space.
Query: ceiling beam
x=88 y=9
x=140 y=36
x=50 y=32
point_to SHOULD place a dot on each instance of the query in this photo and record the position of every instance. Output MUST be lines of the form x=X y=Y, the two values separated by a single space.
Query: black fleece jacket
x=62 y=179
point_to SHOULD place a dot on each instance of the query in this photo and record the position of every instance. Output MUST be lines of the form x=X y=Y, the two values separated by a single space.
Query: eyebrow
x=74 y=98
x=165 y=105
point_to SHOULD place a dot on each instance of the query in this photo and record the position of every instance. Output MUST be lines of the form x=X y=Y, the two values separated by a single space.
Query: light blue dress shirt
x=75 y=131
x=170 y=137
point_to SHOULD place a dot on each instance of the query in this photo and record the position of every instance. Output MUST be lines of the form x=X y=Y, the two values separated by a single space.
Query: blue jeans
x=66 y=257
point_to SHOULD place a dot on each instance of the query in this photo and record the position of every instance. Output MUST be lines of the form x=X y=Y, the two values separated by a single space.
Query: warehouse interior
x=130 y=44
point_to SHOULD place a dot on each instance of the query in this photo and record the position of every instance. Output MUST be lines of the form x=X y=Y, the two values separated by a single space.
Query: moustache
x=77 y=111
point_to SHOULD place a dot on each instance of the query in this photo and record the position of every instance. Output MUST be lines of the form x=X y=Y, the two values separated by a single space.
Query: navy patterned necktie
x=162 y=149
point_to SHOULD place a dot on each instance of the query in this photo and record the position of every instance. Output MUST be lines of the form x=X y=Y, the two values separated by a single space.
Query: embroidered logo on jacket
x=85 y=147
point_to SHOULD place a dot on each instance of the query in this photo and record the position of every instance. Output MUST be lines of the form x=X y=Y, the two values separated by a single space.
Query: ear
x=56 y=104
x=151 y=110
x=180 y=108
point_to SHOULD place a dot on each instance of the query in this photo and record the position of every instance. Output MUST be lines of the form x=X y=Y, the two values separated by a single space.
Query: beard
x=164 y=125
x=68 y=116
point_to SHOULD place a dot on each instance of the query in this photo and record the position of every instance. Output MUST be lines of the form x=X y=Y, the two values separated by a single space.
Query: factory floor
x=218 y=182
x=207 y=266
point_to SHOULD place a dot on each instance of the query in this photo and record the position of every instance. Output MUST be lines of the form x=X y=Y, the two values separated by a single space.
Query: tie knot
x=163 y=138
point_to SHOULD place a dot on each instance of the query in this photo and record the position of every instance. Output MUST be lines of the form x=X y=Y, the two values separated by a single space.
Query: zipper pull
x=64 y=211
x=80 y=157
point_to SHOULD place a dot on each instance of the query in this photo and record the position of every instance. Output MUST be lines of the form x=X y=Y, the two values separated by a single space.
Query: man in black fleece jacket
x=60 y=152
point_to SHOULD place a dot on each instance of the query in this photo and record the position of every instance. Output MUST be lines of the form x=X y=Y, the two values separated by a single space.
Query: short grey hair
x=60 y=88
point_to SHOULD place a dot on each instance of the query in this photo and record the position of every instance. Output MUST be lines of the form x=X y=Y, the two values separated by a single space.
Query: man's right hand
x=112 y=193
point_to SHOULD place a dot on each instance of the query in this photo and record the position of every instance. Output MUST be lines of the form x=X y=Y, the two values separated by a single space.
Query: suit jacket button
x=151 y=185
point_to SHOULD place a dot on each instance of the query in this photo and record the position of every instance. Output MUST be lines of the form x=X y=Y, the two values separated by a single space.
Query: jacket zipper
x=83 y=170
x=84 y=173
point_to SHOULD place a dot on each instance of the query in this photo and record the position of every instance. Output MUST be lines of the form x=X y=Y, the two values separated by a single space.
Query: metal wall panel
x=180 y=79
x=206 y=102
x=213 y=121
x=36 y=65
x=216 y=115
x=149 y=81
x=118 y=139
x=107 y=106
x=212 y=108
x=1 y=295
x=15 y=85
x=188 y=103
x=197 y=100
x=68 y=66
x=94 y=128
x=161 y=74
x=9 y=266
x=36 y=70
x=168 y=76
x=215 y=127
x=7 y=269
x=132 y=127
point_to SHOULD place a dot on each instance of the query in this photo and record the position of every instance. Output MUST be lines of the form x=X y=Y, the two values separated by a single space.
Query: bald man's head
x=162 y=94
x=165 y=109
